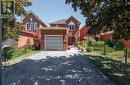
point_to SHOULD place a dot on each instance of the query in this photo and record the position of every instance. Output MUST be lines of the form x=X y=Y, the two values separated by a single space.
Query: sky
x=52 y=10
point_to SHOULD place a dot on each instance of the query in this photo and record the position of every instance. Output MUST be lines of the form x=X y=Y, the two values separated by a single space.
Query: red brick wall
x=83 y=32
x=105 y=37
x=24 y=40
x=54 y=32
x=66 y=25
x=27 y=19
x=126 y=43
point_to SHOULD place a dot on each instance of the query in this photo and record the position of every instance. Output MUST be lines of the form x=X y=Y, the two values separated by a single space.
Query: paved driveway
x=54 y=68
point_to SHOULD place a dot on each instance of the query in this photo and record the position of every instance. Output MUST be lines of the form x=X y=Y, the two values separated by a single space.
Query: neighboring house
x=126 y=43
x=103 y=36
x=58 y=36
x=83 y=32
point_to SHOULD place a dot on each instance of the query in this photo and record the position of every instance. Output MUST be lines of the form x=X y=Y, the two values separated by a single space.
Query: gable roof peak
x=30 y=11
x=73 y=18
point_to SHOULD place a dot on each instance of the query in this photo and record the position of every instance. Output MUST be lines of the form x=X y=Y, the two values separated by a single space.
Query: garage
x=53 y=43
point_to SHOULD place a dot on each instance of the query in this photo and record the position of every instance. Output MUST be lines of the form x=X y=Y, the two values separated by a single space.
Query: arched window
x=71 y=26
x=35 y=26
x=32 y=25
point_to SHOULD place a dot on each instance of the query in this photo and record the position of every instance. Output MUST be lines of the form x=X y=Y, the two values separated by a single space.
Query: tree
x=9 y=25
x=105 y=15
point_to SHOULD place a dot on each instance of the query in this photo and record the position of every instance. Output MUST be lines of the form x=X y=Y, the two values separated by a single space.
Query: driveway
x=54 y=68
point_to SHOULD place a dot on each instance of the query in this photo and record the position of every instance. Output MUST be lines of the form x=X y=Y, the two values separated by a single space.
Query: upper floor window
x=71 y=26
x=32 y=25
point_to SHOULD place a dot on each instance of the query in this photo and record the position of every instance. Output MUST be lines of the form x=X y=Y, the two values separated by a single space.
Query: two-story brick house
x=72 y=24
x=57 y=36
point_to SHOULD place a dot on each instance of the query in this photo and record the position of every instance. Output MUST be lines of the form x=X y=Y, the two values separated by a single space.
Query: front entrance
x=71 y=41
x=53 y=43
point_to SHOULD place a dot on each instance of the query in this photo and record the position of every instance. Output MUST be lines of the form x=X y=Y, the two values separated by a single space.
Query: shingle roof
x=52 y=28
x=61 y=21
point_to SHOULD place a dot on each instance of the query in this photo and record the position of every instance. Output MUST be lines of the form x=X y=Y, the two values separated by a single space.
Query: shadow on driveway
x=72 y=70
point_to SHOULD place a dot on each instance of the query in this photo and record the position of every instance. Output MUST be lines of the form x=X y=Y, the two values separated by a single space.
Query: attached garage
x=53 y=42
x=54 y=38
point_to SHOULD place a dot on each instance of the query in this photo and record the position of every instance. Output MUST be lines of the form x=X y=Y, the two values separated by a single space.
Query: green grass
x=18 y=58
x=19 y=52
x=15 y=54
x=111 y=62
x=116 y=70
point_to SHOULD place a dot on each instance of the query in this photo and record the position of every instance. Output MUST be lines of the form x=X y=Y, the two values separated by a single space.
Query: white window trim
x=31 y=26
x=71 y=26
x=26 y=28
x=35 y=25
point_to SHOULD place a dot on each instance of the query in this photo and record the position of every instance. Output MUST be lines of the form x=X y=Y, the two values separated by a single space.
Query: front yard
x=108 y=59
x=112 y=67
x=13 y=55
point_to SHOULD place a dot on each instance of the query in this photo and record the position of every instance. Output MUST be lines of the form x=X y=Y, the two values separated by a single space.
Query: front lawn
x=15 y=54
x=109 y=58
x=117 y=71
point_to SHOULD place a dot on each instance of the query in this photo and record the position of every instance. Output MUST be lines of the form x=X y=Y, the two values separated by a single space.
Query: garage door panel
x=54 y=43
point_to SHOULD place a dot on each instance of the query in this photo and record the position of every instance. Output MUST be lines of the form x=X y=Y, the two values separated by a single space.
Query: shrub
x=100 y=43
x=90 y=41
x=89 y=49
x=7 y=53
x=118 y=46
x=109 y=43
x=109 y=49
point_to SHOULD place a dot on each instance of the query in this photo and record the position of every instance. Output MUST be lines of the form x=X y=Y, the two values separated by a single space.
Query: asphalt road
x=54 y=68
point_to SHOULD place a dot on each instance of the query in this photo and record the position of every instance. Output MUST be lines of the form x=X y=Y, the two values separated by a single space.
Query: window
x=27 y=26
x=31 y=25
x=35 y=25
x=71 y=26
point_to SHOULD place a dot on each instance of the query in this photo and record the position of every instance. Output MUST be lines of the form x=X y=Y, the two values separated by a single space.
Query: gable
x=34 y=19
x=73 y=19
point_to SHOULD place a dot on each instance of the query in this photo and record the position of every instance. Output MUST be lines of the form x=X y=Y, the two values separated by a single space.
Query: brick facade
x=73 y=35
x=31 y=17
x=103 y=36
x=54 y=31
x=83 y=32
x=59 y=27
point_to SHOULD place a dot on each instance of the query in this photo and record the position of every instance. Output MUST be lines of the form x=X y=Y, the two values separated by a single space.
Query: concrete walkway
x=54 y=68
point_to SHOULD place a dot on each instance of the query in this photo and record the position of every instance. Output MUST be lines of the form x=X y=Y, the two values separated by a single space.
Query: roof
x=63 y=21
x=84 y=27
x=35 y=35
x=34 y=16
x=74 y=18
x=106 y=33
x=53 y=28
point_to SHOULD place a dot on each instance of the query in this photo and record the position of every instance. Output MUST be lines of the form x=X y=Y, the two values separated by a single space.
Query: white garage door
x=54 y=43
